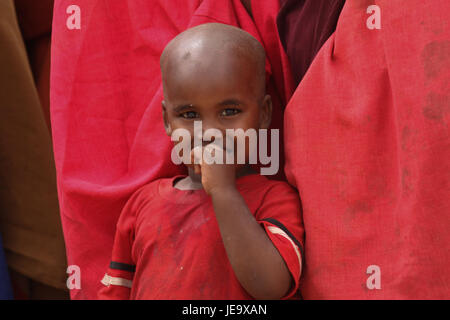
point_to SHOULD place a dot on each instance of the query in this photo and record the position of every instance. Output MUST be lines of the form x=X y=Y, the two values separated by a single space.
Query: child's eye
x=229 y=112
x=189 y=115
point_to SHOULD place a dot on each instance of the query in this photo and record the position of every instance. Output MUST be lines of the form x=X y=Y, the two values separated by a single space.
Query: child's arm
x=256 y=262
x=118 y=280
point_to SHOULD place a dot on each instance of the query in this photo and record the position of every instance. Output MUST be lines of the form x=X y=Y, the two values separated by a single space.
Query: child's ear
x=165 y=119
x=266 y=113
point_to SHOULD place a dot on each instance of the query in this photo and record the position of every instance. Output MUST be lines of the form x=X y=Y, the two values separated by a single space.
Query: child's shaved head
x=214 y=47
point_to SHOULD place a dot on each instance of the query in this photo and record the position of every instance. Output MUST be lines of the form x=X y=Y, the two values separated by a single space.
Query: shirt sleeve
x=118 y=279
x=281 y=216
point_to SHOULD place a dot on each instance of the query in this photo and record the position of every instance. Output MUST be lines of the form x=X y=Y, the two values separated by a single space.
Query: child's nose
x=212 y=125
x=208 y=124
x=210 y=131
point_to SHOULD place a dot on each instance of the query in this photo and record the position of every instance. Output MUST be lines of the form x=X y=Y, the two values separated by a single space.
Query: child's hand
x=215 y=177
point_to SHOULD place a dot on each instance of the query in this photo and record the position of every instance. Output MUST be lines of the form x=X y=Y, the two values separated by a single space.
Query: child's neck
x=194 y=181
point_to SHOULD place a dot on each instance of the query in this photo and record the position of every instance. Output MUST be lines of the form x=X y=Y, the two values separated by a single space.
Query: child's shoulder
x=150 y=190
x=263 y=194
x=258 y=184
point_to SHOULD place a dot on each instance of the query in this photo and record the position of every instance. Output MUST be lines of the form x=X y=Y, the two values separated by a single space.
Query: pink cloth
x=367 y=145
x=106 y=98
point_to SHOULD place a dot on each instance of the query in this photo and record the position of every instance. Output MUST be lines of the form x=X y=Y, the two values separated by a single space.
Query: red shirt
x=168 y=244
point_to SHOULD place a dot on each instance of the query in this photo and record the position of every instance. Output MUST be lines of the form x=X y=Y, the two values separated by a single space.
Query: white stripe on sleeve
x=276 y=230
x=108 y=280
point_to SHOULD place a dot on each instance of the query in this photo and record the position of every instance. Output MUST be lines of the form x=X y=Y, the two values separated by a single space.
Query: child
x=222 y=232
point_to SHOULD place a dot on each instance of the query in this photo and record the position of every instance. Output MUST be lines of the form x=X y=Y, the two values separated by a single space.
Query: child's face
x=223 y=93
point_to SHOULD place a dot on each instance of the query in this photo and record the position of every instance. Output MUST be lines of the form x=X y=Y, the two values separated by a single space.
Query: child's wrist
x=223 y=191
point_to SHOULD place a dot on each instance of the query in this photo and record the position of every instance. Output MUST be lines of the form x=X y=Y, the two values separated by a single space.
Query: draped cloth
x=106 y=95
x=29 y=211
x=304 y=26
x=368 y=147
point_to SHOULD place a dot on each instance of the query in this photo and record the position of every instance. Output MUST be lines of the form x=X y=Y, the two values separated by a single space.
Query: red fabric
x=265 y=15
x=367 y=145
x=106 y=98
x=173 y=239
